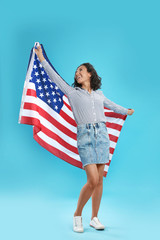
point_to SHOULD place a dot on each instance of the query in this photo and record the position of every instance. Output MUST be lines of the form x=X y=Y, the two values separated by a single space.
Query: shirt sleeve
x=63 y=86
x=113 y=106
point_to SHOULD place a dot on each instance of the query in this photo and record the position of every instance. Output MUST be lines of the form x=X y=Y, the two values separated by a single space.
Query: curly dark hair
x=95 y=79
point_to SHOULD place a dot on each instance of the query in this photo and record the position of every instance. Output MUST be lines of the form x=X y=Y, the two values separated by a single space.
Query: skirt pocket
x=82 y=137
x=103 y=134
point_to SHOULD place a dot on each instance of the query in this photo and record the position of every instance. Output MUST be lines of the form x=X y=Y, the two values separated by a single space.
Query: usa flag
x=47 y=108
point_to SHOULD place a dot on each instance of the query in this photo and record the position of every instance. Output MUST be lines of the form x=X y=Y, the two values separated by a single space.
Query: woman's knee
x=93 y=181
x=100 y=173
x=100 y=180
x=92 y=175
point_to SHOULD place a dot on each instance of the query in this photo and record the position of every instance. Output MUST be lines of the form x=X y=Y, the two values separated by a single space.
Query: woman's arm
x=113 y=106
x=63 y=86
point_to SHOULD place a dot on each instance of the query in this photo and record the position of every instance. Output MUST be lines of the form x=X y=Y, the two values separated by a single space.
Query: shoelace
x=97 y=220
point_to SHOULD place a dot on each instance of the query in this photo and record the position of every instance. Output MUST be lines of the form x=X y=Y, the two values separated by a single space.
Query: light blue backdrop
x=38 y=191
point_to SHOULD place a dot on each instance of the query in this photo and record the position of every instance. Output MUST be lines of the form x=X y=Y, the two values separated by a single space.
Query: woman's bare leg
x=97 y=193
x=87 y=190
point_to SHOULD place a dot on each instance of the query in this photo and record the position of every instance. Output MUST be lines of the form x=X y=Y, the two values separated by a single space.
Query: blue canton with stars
x=46 y=90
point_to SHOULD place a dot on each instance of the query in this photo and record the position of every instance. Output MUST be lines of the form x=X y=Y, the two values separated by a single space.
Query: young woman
x=87 y=104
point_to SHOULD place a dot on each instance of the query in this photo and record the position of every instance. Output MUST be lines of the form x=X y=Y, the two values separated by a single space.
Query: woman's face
x=82 y=75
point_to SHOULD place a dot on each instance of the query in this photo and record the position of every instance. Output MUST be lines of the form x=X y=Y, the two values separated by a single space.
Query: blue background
x=38 y=191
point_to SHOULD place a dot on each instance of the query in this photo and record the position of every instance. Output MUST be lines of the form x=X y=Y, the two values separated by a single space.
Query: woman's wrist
x=41 y=58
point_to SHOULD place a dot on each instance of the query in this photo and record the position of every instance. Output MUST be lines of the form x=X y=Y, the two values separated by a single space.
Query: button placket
x=93 y=107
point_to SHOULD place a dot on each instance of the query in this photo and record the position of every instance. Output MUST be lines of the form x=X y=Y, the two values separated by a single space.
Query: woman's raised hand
x=130 y=111
x=39 y=53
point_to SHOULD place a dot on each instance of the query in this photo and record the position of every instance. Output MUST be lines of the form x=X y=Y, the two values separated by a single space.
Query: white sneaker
x=77 y=224
x=96 y=224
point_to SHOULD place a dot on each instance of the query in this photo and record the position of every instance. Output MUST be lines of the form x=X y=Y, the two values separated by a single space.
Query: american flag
x=47 y=108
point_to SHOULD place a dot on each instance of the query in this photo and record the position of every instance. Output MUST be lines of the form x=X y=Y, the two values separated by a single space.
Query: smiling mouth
x=78 y=78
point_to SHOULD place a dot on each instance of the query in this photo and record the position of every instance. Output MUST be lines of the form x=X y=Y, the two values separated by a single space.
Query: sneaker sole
x=81 y=231
x=97 y=228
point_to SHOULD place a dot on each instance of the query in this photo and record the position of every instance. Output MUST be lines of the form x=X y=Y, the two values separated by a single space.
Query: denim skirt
x=93 y=143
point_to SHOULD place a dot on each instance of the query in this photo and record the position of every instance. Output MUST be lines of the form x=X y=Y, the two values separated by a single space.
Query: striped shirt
x=87 y=107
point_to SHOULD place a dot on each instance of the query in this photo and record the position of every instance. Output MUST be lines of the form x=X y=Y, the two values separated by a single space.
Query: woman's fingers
x=39 y=53
x=37 y=49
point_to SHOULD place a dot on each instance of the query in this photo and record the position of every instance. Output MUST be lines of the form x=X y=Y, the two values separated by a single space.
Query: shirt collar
x=84 y=89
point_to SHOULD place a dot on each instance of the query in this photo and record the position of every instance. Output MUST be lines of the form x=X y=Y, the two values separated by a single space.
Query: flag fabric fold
x=47 y=109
